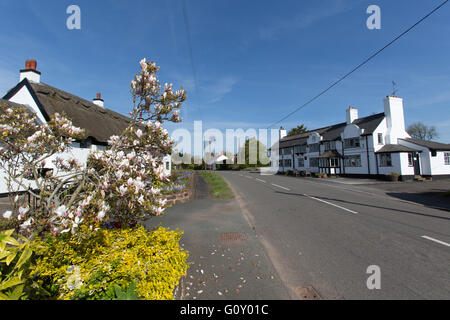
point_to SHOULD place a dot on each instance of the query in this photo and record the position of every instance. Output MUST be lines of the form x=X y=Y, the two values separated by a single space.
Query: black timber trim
x=27 y=84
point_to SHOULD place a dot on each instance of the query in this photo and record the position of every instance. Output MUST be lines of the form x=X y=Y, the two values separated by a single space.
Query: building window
x=280 y=163
x=301 y=162
x=300 y=149
x=352 y=143
x=385 y=160
x=329 y=145
x=287 y=151
x=380 y=138
x=334 y=162
x=167 y=165
x=447 y=158
x=288 y=163
x=314 y=162
x=352 y=161
x=411 y=159
x=85 y=143
x=314 y=147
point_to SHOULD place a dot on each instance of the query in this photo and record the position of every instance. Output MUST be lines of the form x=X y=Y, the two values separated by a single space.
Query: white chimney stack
x=99 y=101
x=30 y=72
x=283 y=133
x=395 y=119
x=352 y=115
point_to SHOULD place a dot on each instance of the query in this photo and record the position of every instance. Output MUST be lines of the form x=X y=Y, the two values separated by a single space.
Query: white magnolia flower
x=7 y=215
x=61 y=211
x=101 y=215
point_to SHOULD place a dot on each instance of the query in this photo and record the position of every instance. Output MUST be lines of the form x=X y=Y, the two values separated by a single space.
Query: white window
x=380 y=138
x=411 y=159
x=167 y=165
x=301 y=162
x=447 y=158
x=314 y=162
x=352 y=161
x=352 y=143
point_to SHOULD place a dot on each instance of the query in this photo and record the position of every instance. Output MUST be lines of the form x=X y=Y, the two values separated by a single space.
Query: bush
x=100 y=265
x=15 y=266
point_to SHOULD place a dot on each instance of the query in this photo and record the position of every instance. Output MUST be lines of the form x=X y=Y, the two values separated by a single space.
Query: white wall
x=23 y=96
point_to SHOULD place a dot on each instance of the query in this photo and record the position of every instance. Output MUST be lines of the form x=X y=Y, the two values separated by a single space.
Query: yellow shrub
x=88 y=265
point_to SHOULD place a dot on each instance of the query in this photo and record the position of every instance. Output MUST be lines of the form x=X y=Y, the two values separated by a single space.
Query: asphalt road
x=326 y=236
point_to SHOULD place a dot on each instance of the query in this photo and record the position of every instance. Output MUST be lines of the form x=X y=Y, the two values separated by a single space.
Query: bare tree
x=419 y=130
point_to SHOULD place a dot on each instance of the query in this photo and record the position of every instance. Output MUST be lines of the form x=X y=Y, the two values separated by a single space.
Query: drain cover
x=307 y=293
x=232 y=237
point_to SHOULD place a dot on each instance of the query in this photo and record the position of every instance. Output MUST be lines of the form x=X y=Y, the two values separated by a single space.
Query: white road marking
x=437 y=241
x=331 y=204
x=275 y=185
x=248 y=177
x=260 y=180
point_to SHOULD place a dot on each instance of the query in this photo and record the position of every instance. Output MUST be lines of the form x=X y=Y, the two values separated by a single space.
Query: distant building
x=364 y=147
x=99 y=122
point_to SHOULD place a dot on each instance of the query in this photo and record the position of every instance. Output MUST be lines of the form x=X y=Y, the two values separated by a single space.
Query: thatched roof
x=99 y=123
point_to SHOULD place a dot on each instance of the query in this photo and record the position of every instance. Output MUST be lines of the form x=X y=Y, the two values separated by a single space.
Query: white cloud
x=303 y=19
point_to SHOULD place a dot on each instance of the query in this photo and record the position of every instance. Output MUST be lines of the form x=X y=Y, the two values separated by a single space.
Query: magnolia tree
x=120 y=184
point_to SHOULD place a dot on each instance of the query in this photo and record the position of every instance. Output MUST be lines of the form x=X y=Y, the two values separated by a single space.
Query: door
x=416 y=165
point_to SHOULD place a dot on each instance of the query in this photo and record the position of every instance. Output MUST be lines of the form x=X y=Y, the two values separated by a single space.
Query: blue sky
x=254 y=61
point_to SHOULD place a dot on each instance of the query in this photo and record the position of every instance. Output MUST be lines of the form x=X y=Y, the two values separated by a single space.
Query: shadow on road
x=367 y=205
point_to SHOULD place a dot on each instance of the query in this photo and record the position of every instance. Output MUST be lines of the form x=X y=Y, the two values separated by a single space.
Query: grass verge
x=219 y=187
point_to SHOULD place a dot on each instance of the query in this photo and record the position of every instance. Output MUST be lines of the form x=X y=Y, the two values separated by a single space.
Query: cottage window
x=352 y=161
x=385 y=160
x=447 y=158
x=85 y=143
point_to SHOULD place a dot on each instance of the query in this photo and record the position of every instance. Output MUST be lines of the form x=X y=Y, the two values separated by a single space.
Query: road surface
x=326 y=236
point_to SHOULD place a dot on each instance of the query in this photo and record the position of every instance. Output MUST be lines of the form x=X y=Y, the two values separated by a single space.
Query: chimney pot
x=32 y=64
x=30 y=72
x=99 y=95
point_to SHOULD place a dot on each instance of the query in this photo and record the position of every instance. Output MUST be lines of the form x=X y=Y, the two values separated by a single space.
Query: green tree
x=297 y=130
x=419 y=130
x=253 y=153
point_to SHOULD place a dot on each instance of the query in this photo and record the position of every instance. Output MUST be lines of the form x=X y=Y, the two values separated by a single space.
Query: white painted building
x=372 y=146
x=99 y=122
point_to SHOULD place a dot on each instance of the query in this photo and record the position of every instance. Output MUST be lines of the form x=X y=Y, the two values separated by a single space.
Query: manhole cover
x=307 y=293
x=232 y=237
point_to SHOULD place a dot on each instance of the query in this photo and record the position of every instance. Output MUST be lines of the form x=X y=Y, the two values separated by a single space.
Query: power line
x=360 y=65
x=189 y=41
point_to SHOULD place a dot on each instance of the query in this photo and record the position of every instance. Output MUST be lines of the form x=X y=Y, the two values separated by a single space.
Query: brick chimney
x=30 y=72
x=99 y=101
